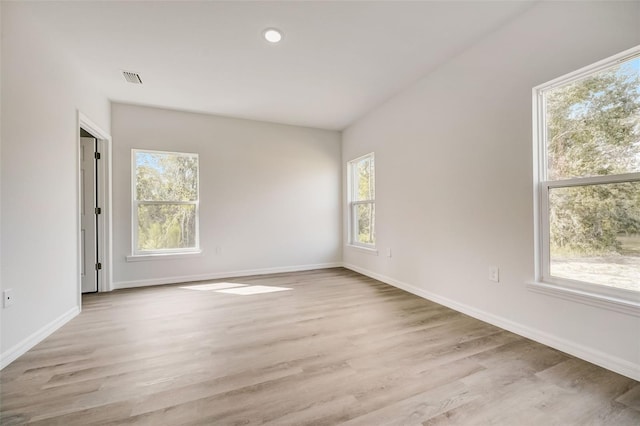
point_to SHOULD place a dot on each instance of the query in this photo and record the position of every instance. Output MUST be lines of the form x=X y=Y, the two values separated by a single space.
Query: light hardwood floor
x=339 y=348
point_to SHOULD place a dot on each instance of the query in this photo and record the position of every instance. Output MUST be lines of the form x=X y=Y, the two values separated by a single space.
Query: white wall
x=41 y=93
x=455 y=179
x=1 y=117
x=270 y=196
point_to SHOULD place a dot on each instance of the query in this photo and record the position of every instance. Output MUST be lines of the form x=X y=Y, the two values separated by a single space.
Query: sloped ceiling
x=337 y=61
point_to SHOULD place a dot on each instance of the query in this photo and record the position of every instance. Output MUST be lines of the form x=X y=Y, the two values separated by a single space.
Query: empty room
x=320 y=212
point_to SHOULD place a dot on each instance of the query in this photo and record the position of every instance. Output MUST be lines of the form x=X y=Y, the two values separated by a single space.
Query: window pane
x=365 y=217
x=167 y=176
x=364 y=172
x=595 y=234
x=166 y=226
x=593 y=124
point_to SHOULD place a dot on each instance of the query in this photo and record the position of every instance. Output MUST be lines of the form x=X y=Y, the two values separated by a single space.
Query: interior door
x=88 y=221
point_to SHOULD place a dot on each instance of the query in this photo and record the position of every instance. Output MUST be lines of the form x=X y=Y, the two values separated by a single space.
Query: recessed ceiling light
x=272 y=35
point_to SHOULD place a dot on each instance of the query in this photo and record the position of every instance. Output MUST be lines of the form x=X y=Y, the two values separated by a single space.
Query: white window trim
x=619 y=300
x=164 y=254
x=364 y=250
x=353 y=243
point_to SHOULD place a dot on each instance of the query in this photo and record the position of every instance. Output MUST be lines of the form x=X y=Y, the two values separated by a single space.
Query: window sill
x=366 y=250
x=163 y=256
x=588 y=298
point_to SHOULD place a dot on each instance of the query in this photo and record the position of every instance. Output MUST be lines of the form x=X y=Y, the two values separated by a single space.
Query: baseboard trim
x=13 y=353
x=220 y=275
x=593 y=356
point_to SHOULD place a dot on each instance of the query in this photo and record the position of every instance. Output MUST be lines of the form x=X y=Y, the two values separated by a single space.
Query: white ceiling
x=337 y=61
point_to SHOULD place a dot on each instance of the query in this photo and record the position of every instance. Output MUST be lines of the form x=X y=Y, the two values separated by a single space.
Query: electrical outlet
x=494 y=274
x=7 y=298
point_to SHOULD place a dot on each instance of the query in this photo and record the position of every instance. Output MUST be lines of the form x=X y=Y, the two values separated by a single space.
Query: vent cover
x=132 y=77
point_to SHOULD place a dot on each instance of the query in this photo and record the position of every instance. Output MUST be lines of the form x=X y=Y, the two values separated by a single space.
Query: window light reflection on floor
x=254 y=289
x=238 y=289
x=212 y=286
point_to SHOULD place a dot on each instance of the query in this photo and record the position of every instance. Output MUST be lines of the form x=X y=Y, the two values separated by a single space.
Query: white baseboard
x=593 y=356
x=11 y=354
x=219 y=275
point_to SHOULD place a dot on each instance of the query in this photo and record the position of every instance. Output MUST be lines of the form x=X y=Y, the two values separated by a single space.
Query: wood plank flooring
x=338 y=348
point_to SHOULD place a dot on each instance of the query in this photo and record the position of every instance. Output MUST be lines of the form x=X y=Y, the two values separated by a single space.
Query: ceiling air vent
x=132 y=77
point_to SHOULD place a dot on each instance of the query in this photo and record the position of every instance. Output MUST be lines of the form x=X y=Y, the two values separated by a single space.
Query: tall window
x=588 y=140
x=362 y=201
x=165 y=202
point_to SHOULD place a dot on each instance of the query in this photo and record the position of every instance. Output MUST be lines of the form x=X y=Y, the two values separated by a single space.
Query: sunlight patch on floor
x=235 y=288
x=212 y=286
x=254 y=289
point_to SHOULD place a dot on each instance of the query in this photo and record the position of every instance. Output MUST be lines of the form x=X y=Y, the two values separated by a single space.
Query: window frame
x=161 y=253
x=622 y=300
x=352 y=205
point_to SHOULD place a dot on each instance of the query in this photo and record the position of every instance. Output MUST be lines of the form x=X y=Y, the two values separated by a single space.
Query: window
x=165 y=202
x=588 y=177
x=362 y=201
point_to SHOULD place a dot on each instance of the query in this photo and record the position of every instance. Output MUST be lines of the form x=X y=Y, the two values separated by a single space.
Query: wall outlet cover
x=494 y=274
x=7 y=298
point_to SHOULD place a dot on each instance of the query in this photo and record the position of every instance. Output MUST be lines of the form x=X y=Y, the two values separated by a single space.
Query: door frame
x=104 y=222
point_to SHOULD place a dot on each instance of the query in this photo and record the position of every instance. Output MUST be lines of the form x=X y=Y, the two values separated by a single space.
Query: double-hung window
x=587 y=137
x=165 y=202
x=362 y=201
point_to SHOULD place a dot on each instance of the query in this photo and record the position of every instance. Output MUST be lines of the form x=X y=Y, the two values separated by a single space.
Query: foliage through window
x=589 y=177
x=165 y=202
x=362 y=201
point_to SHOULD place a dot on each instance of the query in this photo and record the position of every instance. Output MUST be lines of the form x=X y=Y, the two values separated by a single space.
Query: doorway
x=94 y=208
x=89 y=212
